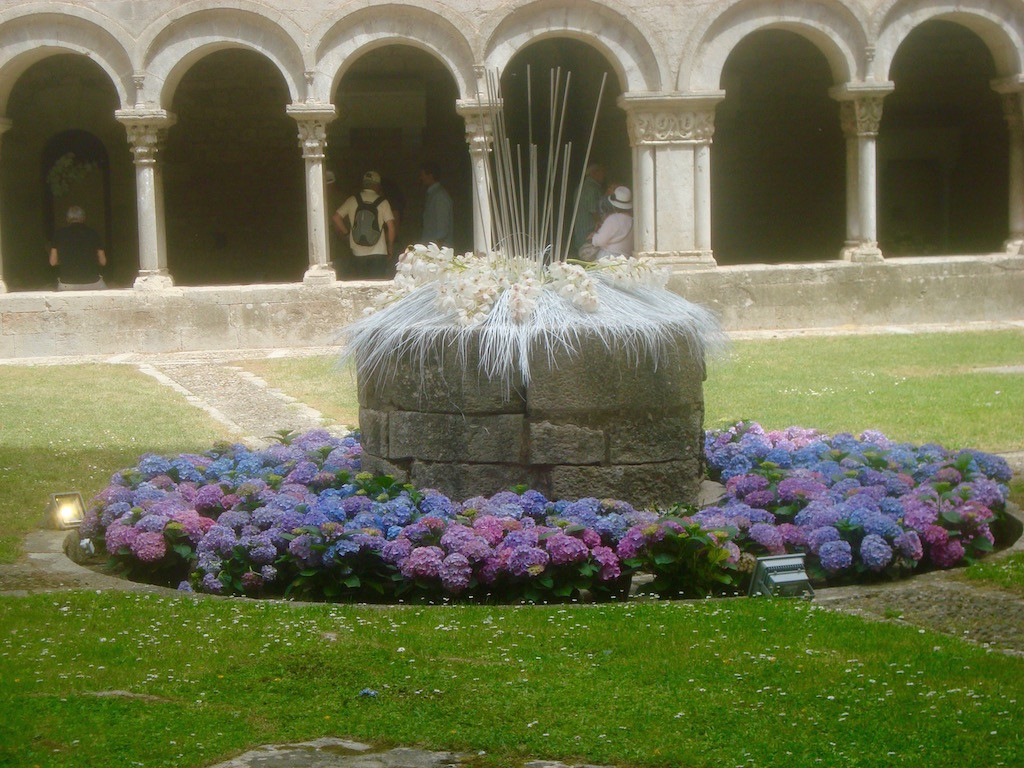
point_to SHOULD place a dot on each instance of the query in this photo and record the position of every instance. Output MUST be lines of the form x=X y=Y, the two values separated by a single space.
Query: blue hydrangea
x=151 y=465
x=875 y=552
x=835 y=556
x=340 y=549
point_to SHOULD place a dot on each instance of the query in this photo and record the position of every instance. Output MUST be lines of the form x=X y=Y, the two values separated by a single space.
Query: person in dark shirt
x=77 y=252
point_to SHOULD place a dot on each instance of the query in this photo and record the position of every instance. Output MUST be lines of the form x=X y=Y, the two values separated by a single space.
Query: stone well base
x=600 y=423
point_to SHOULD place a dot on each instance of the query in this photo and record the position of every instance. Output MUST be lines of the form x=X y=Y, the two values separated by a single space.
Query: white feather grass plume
x=514 y=308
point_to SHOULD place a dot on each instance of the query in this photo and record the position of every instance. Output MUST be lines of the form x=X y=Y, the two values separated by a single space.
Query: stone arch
x=30 y=38
x=175 y=42
x=835 y=29
x=1000 y=25
x=347 y=36
x=628 y=49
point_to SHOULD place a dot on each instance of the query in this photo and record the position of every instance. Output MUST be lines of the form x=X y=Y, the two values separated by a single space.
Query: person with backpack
x=367 y=221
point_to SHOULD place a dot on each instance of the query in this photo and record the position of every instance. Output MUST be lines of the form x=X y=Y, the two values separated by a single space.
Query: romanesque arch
x=30 y=38
x=999 y=24
x=836 y=29
x=342 y=40
x=630 y=50
x=943 y=147
x=172 y=45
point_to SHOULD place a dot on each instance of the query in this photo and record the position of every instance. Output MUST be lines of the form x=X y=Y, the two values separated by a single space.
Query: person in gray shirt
x=438 y=210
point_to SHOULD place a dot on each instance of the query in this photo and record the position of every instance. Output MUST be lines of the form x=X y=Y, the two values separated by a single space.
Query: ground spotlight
x=66 y=510
x=780 y=576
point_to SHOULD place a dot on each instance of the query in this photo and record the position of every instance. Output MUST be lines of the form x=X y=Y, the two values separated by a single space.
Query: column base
x=861 y=253
x=682 y=260
x=319 y=275
x=1014 y=246
x=153 y=281
x=3 y=287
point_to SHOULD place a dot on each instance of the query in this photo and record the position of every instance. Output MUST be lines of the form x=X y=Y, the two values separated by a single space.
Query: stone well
x=597 y=423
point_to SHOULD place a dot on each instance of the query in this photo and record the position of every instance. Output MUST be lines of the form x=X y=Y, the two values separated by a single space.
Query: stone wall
x=823 y=295
x=597 y=423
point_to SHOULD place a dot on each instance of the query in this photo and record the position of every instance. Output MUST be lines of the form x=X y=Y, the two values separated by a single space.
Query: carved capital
x=312 y=119
x=862 y=116
x=479 y=125
x=146 y=130
x=670 y=126
x=312 y=138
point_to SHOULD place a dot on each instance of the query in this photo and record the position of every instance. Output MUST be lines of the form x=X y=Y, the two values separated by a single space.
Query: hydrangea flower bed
x=300 y=519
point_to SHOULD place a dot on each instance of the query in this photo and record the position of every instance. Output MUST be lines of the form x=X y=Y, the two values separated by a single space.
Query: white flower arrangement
x=511 y=307
x=470 y=284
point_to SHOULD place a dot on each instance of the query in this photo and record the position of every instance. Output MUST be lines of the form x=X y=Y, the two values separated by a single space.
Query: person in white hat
x=615 y=235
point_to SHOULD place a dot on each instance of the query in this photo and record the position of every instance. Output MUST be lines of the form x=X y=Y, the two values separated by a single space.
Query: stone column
x=146 y=129
x=479 y=137
x=853 y=237
x=671 y=140
x=5 y=125
x=860 y=112
x=312 y=119
x=1013 y=110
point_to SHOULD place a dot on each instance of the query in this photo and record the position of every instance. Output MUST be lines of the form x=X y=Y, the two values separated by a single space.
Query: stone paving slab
x=342 y=753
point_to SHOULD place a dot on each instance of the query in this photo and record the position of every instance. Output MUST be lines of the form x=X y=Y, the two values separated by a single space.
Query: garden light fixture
x=66 y=510
x=780 y=576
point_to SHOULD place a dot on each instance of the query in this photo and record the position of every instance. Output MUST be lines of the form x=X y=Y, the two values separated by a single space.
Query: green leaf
x=952 y=516
x=184 y=550
x=352 y=582
x=663 y=558
x=982 y=544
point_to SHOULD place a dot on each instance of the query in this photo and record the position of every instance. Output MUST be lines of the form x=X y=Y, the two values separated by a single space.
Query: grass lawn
x=143 y=680
x=70 y=427
x=117 y=679
x=919 y=388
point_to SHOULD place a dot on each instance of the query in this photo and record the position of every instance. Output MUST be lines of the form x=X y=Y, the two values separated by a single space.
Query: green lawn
x=117 y=679
x=70 y=427
x=919 y=388
x=126 y=679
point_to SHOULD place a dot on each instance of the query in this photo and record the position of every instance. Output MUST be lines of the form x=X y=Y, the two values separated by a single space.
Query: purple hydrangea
x=565 y=549
x=946 y=554
x=605 y=557
x=875 y=552
x=423 y=563
x=456 y=573
x=835 y=556
x=769 y=537
x=148 y=546
x=821 y=536
x=527 y=561
x=908 y=544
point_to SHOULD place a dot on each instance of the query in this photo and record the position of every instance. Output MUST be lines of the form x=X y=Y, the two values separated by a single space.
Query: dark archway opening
x=396 y=110
x=942 y=148
x=587 y=67
x=778 y=155
x=76 y=172
x=234 y=183
x=65 y=148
